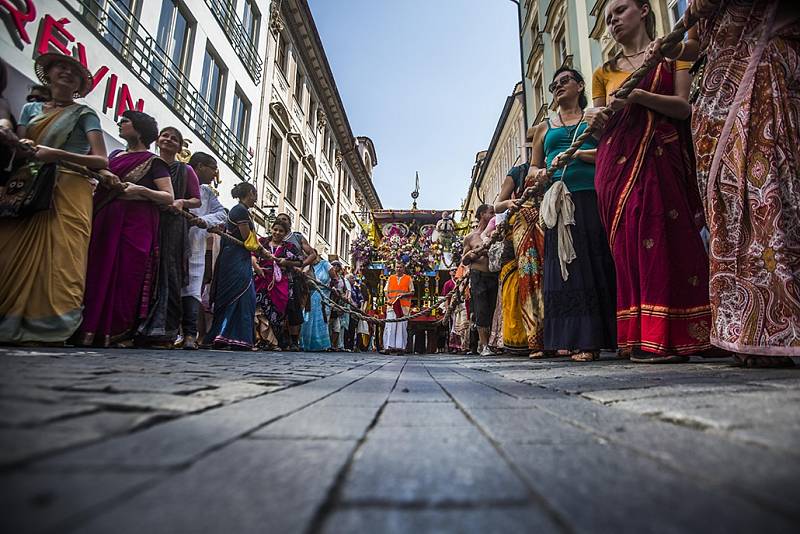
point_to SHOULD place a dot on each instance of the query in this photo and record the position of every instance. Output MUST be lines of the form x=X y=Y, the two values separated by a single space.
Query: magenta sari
x=650 y=207
x=123 y=254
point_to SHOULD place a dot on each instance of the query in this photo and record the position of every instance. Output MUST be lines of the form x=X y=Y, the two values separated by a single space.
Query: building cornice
x=299 y=21
x=498 y=130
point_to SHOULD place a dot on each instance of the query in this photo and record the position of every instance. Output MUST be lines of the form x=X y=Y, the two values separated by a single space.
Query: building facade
x=244 y=80
x=572 y=33
x=506 y=149
x=310 y=166
x=193 y=65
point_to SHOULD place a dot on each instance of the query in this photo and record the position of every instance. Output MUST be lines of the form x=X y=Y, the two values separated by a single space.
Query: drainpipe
x=522 y=68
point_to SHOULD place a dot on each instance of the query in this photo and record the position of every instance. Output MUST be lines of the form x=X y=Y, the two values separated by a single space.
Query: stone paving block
x=134 y=384
x=527 y=425
x=246 y=487
x=23 y=444
x=181 y=441
x=769 y=477
x=509 y=386
x=156 y=401
x=451 y=520
x=416 y=385
x=233 y=391
x=475 y=395
x=430 y=465
x=332 y=422
x=615 y=395
x=32 y=393
x=23 y=413
x=32 y=503
x=434 y=414
x=608 y=489
x=765 y=413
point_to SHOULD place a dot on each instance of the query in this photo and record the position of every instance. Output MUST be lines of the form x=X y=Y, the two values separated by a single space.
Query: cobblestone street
x=180 y=442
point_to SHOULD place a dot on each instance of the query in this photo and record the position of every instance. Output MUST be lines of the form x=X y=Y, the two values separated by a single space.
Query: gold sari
x=43 y=259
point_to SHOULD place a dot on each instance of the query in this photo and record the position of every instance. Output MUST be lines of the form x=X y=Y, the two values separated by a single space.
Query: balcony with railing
x=234 y=29
x=119 y=29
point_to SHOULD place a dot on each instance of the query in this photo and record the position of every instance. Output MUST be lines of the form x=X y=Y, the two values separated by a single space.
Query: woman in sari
x=745 y=111
x=648 y=199
x=43 y=259
x=314 y=336
x=521 y=271
x=123 y=252
x=274 y=287
x=233 y=294
x=579 y=283
x=160 y=328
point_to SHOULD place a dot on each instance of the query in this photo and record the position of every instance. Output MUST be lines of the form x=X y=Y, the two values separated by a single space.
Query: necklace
x=633 y=55
x=565 y=126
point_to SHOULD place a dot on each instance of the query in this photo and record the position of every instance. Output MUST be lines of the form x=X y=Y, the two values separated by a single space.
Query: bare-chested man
x=482 y=283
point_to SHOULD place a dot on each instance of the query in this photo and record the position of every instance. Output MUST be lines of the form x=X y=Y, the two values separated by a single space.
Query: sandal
x=624 y=354
x=640 y=356
x=542 y=354
x=585 y=356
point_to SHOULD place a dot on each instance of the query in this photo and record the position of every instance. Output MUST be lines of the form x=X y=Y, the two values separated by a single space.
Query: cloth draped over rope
x=558 y=210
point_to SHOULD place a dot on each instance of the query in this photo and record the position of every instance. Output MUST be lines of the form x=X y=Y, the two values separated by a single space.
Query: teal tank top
x=580 y=175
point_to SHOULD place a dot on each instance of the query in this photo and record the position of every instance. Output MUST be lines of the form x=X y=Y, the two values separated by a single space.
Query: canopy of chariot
x=427 y=242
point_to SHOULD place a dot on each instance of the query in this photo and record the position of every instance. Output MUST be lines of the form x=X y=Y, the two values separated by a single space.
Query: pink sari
x=123 y=254
x=650 y=208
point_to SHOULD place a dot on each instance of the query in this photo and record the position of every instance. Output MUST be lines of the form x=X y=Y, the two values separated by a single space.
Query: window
x=347 y=185
x=274 y=157
x=211 y=83
x=676 y=9
x=560 y=43
x=281 y=56
x=291 y=180
x=173 y=37
x=344 y=245
x=298 y=85
x=331 y=149
x=117 y=13
x=251 y=19
x=308 y=187
x=312 y=113
x=324 y=223
x=240 y=116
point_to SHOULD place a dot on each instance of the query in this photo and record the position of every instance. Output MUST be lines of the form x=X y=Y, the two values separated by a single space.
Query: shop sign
x=53 y=36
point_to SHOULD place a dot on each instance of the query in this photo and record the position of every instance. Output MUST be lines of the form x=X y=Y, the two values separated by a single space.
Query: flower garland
x=362 y=251
x=415 y=253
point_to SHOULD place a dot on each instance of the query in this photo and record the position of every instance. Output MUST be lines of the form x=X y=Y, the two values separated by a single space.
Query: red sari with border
x=650 y=207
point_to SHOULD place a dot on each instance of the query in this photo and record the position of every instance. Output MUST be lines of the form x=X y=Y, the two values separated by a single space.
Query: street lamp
x=522 y=68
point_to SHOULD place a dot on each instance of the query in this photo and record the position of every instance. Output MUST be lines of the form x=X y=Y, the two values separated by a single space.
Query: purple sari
x=123 y=253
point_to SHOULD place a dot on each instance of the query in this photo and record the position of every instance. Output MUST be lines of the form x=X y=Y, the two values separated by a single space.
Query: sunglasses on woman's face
x=123 y=120
x=36 y=98
x=561 y=82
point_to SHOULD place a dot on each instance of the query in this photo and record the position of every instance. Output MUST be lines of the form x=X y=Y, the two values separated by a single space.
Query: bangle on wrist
x=679 y=54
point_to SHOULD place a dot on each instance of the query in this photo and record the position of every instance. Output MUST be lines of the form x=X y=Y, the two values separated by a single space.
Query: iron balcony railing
x=234 y=29
x=119 y=29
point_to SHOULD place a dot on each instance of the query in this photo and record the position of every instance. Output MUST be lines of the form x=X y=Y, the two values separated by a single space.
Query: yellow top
x=606 y=82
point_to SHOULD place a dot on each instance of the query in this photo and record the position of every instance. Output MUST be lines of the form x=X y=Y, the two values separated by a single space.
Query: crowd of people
x=120 y=256
x=675 y=230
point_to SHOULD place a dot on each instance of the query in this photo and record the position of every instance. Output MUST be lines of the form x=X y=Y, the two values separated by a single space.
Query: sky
x=426 y=80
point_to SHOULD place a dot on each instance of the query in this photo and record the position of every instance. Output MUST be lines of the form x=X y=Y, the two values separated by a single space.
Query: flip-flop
x=655 y=358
